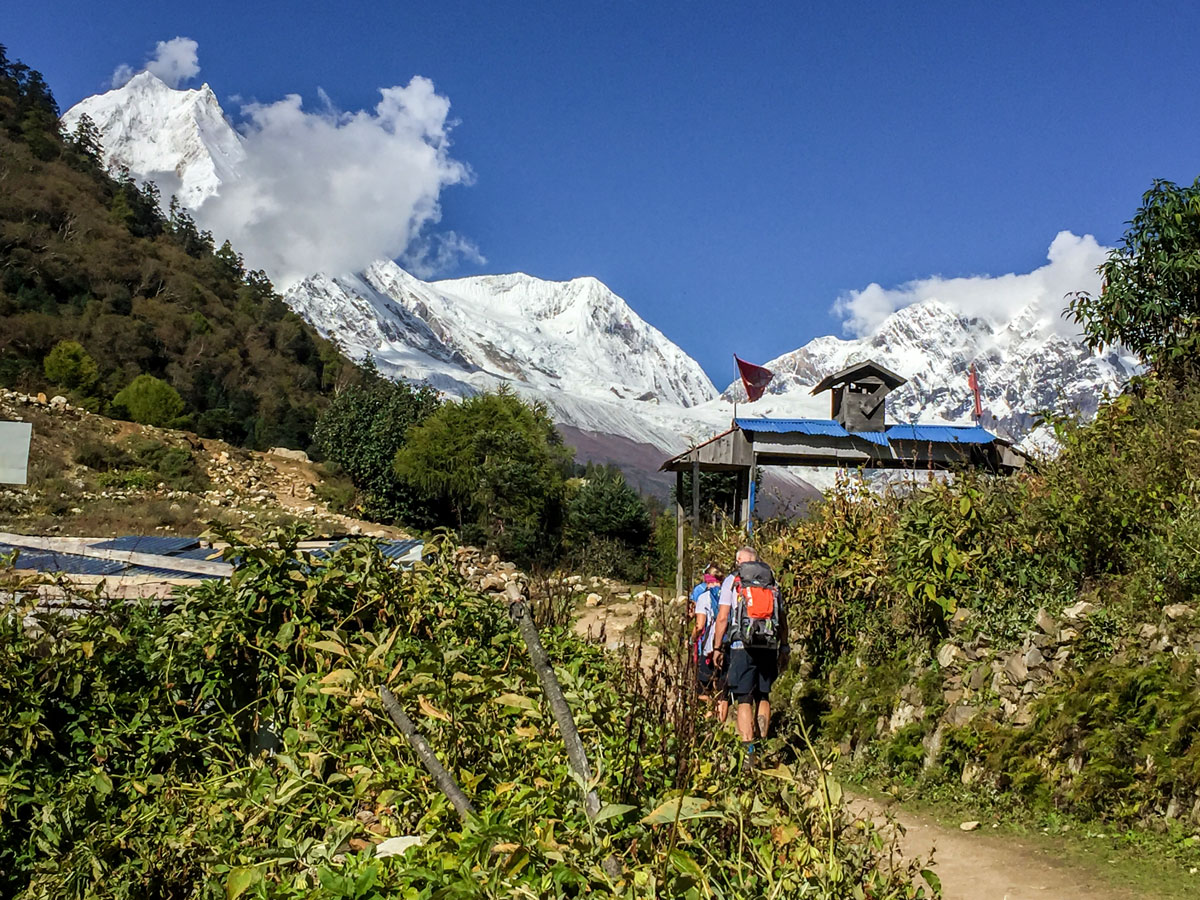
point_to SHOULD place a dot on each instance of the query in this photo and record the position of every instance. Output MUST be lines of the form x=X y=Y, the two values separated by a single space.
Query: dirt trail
x=978 y=865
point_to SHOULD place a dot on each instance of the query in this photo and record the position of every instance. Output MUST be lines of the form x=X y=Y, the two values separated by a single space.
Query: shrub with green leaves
x=231 y=744
x=69 y=365
x=149 y=401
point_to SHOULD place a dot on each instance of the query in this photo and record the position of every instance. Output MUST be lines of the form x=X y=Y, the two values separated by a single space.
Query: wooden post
x=679 y=533
x=576 y=756
x=443 y=779
x=694 y=575
x=753 y=477
x=742 y=513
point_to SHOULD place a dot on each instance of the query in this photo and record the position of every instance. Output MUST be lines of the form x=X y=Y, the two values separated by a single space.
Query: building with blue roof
x=857 y=435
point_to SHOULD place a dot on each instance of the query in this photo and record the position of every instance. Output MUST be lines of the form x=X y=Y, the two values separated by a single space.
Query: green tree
x=1150 y=299
x=605 y=506
x=150 y=401
x=500 y=466
x=607 y=527
x=362 y=429
x=70 y=366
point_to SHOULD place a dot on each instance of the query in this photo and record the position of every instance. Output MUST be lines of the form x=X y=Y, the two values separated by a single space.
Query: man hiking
x=705 y=597
x=752 y=628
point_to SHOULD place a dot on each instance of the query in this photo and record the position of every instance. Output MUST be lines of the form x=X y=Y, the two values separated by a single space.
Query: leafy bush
x=607 y=528
x=361 y=431
x=232 y=744
x=149 y=401
x=69 y=366
x=499 y=466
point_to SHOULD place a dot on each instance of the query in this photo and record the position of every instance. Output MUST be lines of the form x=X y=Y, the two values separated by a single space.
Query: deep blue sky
x=729 y=169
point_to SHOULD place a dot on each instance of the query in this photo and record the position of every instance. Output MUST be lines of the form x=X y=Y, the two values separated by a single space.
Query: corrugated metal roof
x=398 y=549
x=174 y=574
x=67 y=563
x=135 y=543
x=941 y=434
x=207 y=554
x=390 y=549
x=937 y=434
x=824 y=427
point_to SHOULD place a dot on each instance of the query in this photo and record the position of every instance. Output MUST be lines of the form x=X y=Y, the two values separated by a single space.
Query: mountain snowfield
x=179 y=139
x=579 y=347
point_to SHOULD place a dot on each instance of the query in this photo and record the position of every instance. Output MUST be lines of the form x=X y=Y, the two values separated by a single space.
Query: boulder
x=947 y=655
x=1178 y=611
x=1034 y=658
x=593 y=600
x=968 y=826
x=58 y=402
x=297 y=455
x=960 y=714
x=1080 y=610
x=903 y=714
x=1016 y=669
x=493 y=582
x=1046 y=622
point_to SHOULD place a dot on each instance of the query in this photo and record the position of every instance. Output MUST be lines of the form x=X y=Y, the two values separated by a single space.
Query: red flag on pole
x=755 y=378
x=973 y=382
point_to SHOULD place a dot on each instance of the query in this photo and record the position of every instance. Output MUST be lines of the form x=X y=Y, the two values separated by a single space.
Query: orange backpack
x=757 y=607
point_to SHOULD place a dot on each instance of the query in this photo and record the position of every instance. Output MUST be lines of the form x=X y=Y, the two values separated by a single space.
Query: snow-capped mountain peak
x=179 y=139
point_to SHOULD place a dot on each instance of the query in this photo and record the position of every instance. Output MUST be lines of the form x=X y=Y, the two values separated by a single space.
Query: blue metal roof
x=205 y=554
x=135 y=543
x=67 y=563
x=824 y=427
x=937 y=434
x=941 y=434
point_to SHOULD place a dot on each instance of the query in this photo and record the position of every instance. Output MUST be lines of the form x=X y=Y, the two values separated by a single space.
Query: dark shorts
x=751 y=674
x=712 y=680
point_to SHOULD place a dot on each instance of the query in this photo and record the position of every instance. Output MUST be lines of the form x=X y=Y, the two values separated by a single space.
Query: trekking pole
x=443 y=779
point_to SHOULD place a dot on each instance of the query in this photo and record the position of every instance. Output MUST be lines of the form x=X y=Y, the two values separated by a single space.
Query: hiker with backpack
x=751 y=629
x=705 y=600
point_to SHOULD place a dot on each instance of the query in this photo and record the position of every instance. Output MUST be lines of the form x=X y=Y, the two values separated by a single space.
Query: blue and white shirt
x=729 y=599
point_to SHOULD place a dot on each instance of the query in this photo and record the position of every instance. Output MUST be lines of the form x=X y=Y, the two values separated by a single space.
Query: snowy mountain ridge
x=578 y=346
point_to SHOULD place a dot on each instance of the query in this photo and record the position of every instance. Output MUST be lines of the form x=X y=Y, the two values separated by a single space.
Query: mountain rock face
x=578 y=347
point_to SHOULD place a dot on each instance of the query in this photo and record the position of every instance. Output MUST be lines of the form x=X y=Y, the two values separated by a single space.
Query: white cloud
x=333 y=191
x=430 y=255
x=1072 y=265
x=175 y=61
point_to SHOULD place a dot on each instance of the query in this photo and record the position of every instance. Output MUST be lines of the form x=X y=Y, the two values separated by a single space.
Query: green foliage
x=1150 y=300
x=89 y=258
x=500 y=467
x=607 y=526
x=232 y=745
x=68 y=364
x=361 y=431
x=150 y=401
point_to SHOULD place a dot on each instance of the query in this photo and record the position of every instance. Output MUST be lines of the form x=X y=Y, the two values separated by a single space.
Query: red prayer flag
x=973 y=382
x=755 y=378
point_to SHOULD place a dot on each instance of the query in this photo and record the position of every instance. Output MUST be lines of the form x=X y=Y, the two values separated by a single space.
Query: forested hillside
x=94 y=273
